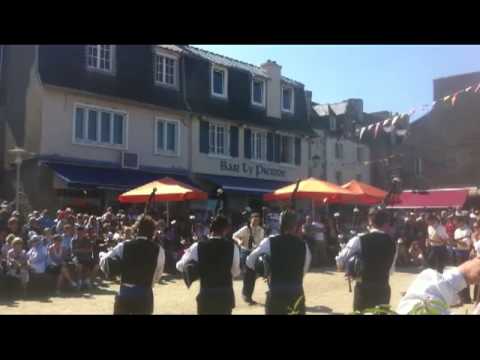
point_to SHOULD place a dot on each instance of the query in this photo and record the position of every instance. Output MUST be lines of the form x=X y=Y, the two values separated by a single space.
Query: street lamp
x=19 y=155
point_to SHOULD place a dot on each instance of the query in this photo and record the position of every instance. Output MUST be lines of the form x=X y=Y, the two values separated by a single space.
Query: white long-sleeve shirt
x=117 y=252
x=264 y=248
x=354 y=246
x=431 y=285
x=192 y=254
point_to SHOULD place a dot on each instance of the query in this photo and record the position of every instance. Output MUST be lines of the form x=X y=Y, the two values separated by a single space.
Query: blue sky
x=387 y=77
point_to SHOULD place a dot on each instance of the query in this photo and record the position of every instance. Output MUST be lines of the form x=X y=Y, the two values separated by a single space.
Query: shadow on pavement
x=319 y=309
x=323 y=270
x=9 y=302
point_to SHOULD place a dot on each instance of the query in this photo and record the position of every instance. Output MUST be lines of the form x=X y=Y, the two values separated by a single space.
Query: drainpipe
x=190 y=113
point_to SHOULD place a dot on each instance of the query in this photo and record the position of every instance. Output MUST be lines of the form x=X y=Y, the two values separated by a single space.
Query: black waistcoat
x=215 y=257
x=139 y=262
x=378 y=251
x=287 y=262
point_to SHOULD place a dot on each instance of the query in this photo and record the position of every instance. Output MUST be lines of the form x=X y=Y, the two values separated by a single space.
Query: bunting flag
x=390 y=124
x=454 y=97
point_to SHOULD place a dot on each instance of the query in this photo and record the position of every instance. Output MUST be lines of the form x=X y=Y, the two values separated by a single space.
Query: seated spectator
x=37 y=255
x=82 y=250
x=47 y=236
x=416 y=254
x=67 y=236
x=17 y=263
x=57 y=265
x=45 y=221
x=13 y=226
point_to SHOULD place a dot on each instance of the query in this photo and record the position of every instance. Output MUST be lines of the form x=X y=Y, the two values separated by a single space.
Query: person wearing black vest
x=377 y=253
x=218 y=260
x=139 y=263
x=289 y=260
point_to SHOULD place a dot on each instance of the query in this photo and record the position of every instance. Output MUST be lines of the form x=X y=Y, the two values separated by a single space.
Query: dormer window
x=100 y=57
x=333 y=123
x=258 y=92
x=165 y=69
x=219 y=81
x=287 y=99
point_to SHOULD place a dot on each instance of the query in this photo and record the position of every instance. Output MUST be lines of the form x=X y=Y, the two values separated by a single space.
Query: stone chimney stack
x=274 y=89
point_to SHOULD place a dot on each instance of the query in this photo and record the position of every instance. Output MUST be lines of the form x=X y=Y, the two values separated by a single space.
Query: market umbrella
x=167 y=189
x=366 y=194
x=312 y=189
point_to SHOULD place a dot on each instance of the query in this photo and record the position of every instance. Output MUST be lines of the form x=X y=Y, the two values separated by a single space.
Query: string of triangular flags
x=396 y=122
x=385 y=160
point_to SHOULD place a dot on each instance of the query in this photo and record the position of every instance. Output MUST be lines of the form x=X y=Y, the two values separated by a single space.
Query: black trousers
x=141 y=305
x=285 y=303
x=367 y=295
x=249 y=279
x=437 y=258
x=218 y=302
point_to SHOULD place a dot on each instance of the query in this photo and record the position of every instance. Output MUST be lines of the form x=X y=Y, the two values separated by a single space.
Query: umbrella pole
x=313 y=210
x=168 y=214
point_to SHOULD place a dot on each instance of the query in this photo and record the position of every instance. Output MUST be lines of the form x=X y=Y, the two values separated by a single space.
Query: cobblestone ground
x=326 y=293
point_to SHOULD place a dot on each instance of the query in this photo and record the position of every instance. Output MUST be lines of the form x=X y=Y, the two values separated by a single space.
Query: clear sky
x=387 y=77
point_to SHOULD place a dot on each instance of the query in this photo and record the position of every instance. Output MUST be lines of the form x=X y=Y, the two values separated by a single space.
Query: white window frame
x=264 y=88
x=97 y=66
x=164 y=151
x=253 y=145
x=293 y=148
x=292 y=102
x=333 y=123
x=225 y=81
x=226 y=140
x=99 y=143
x=418 y=166
x=162 y=82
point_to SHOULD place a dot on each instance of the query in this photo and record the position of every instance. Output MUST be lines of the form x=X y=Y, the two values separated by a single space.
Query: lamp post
x=19 y=154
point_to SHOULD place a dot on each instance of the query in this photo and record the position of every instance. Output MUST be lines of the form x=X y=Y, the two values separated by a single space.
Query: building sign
x=258 y=170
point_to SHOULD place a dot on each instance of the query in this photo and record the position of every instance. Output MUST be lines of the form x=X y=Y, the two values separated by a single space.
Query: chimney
x=308 y=99
x=274 y=89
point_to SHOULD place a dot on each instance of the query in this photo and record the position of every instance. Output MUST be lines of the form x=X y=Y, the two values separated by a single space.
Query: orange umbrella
x=313 y=189
x=168 y=189
x=366 y=194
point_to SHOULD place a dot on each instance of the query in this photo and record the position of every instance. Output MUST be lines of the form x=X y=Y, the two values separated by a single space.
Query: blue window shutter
x=234 y=141
x=277 y=146
x=270 y=147
x=298 y=151
x=248 y=144
x=204 y=126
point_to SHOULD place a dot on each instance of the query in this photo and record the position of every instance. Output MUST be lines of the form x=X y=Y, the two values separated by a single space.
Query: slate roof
x=226 y=61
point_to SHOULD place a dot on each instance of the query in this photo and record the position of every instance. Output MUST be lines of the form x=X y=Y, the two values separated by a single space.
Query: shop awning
x=433 y=198
x=238 y=184
x=108 y=178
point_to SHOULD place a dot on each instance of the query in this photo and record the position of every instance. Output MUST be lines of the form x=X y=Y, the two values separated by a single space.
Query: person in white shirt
x=476 y=252
x=218 y=262
x=432 y=286
x=248 y=237
x=463 y=245
x=436 y=243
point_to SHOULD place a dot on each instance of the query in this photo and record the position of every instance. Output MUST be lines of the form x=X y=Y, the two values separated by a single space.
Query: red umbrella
x=365 y=194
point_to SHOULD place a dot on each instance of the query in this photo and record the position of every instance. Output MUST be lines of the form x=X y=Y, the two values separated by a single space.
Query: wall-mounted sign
x=258 y=170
